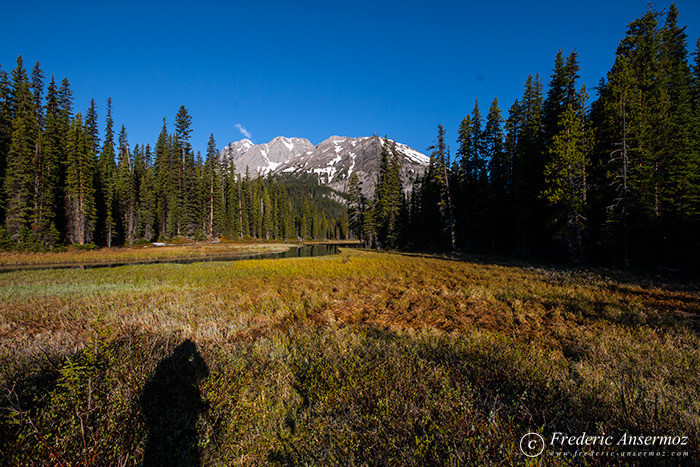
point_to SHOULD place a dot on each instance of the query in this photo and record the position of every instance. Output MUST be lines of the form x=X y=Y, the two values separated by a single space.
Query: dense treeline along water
x=295 y=251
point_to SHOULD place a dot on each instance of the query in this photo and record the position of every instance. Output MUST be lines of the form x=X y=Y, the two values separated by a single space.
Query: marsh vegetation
x=361 y=357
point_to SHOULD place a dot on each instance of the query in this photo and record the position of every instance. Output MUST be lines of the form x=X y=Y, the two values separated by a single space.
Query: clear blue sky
x=312 y=68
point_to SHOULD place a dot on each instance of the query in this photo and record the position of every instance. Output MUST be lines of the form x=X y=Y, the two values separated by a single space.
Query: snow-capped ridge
x=259 y=159
x=334 y=160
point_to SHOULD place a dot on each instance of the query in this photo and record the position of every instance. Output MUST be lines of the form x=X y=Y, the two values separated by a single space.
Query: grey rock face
x=333 y=160
x=260 y=159
x=337 y=158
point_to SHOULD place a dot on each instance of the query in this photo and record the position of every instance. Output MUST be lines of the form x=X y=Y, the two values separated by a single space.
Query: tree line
x=62 y=184
x=617 y=180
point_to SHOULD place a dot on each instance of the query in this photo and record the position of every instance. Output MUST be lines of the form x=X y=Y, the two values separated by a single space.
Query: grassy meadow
x=352 y=359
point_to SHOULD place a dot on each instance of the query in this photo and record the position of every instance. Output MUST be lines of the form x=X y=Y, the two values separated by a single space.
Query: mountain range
x=332 y=161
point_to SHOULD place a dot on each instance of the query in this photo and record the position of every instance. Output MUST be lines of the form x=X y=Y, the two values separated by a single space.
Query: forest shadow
x=650 y=276
x=171 y=404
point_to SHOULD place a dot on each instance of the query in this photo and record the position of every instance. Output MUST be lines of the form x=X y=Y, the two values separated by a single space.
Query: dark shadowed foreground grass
x=359 y=358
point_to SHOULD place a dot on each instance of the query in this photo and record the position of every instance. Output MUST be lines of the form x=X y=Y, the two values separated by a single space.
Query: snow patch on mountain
x=260 y=159
x=333 y=160
x=337 y=158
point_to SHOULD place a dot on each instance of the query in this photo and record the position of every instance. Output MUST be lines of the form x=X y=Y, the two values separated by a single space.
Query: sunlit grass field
x=352 y=359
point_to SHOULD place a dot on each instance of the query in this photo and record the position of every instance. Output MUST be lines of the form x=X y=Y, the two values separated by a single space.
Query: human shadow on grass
x=171 y=404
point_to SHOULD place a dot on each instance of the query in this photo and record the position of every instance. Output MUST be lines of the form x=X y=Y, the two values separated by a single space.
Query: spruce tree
x=213 y=190
x=182 y=150
x=80 y=190
x=124 y=188
x=499 y=198
x=463 y=187
x=93 y=132
x=93 y=138
x=147 y=207
x=286 y=221
x=649 y=129
x=107 y=176
x=388 y=197
x=37 y=86
x=528 y=166
x=565 y=178
x=562 y=93
x=267 y=215
x=472 y=179
x=437 y=182
x=695 y=89
x=47 y=163
x=139 y=167
x=357 y=205
x=54 y=147
x=5 y=136
x=196 y=220
x=679 y=163
x=233 y=206
x=619 y=101
x=245 y=205
x=166 y=184
x=554 y=104
x=19 y=178
x=305 y=221
x=369 y=225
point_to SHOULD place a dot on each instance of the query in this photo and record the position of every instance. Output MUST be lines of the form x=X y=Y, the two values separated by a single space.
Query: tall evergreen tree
x=124 y=189
x=528 y=166
x=48 y=173
x=499 y=212
x=565 y=178
x=470 y=190
x=19 y=178
x=213 y=191
x=436 y=188
x=266 y=231
x=93 y=132
x=618 y=99
x=369 y=225
x=357 y=204
x=680 y=161
x=649 y=127
x=183 y=122
x=388 y=197
x=166 y=184
x=147 y=206
x=5 y=135
x=42 y=212
x=80 y=189
x=107 y=176
x=562 y=93
x=37 y=86
x=695 y=90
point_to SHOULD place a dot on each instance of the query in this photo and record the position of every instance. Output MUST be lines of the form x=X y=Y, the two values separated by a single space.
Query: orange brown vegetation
x=354 y=358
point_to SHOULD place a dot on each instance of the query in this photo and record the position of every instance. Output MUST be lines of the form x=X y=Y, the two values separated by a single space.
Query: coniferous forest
x=63 y=184
x=560 y=177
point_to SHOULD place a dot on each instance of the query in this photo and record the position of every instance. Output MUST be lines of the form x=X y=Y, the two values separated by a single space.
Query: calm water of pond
x=296 y=251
